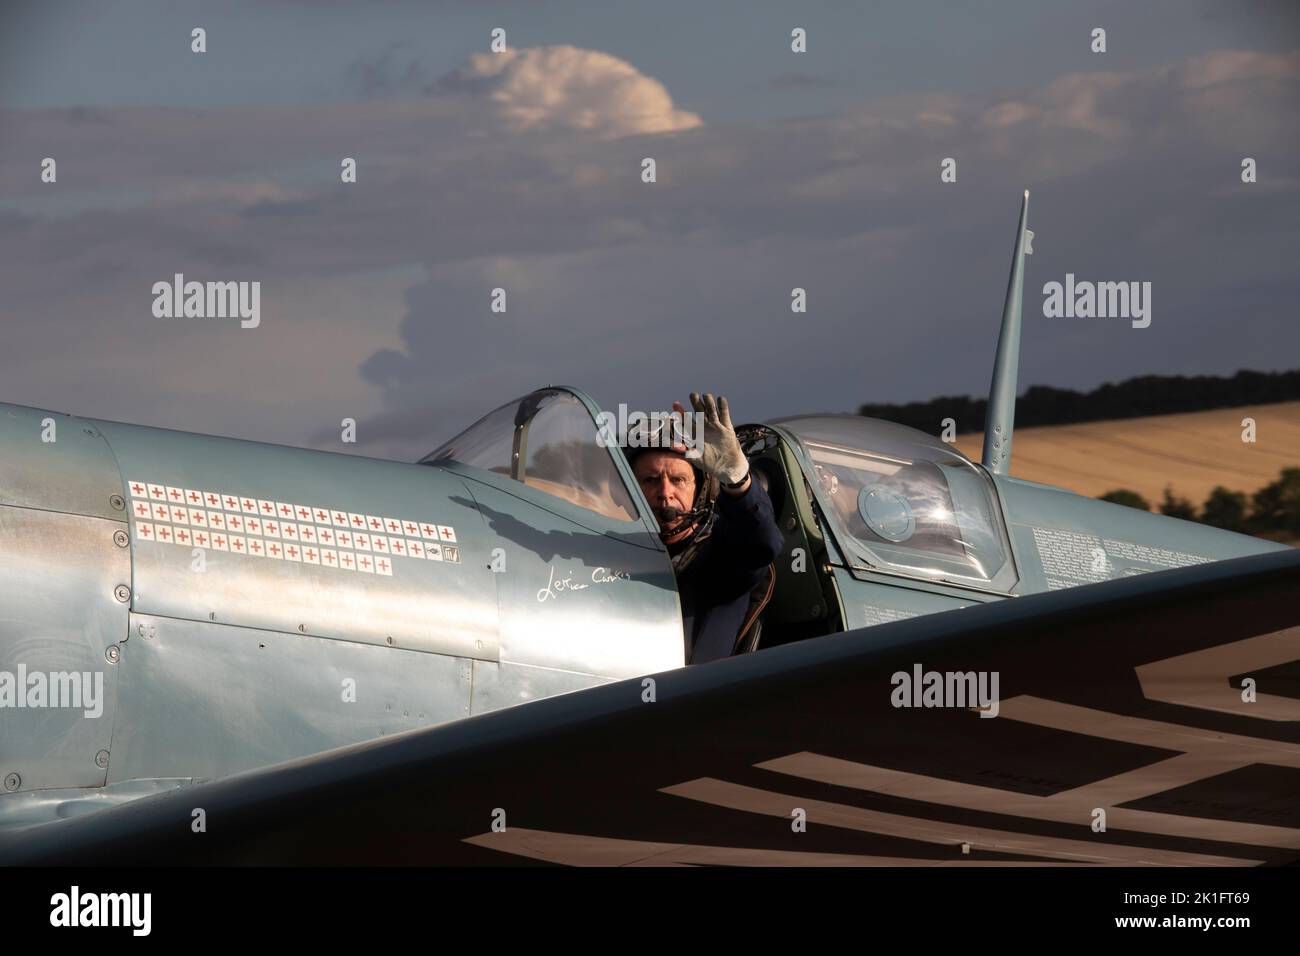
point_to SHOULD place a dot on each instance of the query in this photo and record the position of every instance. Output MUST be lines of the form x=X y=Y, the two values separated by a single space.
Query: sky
x=522 y=170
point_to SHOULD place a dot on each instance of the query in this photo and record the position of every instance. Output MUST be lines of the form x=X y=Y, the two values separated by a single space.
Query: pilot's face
x=668 y=484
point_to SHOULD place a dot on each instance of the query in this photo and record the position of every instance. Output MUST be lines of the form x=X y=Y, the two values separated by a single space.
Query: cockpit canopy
x=897 y=500
x=902 y=501
x=549 y=441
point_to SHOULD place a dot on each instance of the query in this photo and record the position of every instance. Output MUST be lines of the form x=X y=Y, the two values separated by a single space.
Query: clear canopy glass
x=558 y=451
x=903 y=501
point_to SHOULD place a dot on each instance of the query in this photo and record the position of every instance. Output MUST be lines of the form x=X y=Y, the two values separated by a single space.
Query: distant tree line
x=1133 y=398
x=1271 y=512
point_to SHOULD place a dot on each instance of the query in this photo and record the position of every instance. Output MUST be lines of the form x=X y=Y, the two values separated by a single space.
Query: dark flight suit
x=715 y=588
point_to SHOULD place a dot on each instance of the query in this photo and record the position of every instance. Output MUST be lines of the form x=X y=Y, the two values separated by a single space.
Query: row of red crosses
x=268 y=510
x=260 y=548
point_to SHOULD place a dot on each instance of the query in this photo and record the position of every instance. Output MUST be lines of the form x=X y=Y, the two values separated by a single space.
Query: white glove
x=720 y=454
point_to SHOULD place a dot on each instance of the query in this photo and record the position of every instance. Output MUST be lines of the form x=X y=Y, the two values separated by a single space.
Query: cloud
x=558 y=88
x=843 y=207
x=523 y=172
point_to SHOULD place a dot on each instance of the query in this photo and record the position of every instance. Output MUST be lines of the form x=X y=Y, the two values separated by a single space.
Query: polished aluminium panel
x=61 y=613
x=75 y=473
x=597 y=772
x=573 y=599
x=1064 y=539
x=205 y=700
x=438 y=606
x=29 y=807
x=868 y=603
x=503 y=685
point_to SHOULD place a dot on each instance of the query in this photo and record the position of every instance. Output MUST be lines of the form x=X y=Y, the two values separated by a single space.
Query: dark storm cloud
x=1136 y=177
x=525 y=174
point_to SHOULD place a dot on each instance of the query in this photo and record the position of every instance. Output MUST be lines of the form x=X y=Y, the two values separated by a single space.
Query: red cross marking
x=237 y=543
x=376 y=524
x=256 y=545
x=427 y=529
x=144 y=532
x=137 y=489
x=274 y=549
x=219 y=541
x=231 y=503
x=182 y=536
x=201 y=538
x=266 y=506
x=383 y=565
x=303 y=513
x=446 y=533
x=175 y=494
x=322 y=515
x=212 y=500
x=248 y=504
x=397 y=547
x=365 y=562
x=394 y=526
x=194 y=496
x=329 y=558
x=411 y=528
x=165 y=533
x=285 y=510
x=347 y=559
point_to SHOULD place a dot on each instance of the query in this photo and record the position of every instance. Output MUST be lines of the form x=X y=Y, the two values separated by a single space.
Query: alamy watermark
x=208 y=300
x=957 y=689
x=53 y=689
x=75 y=908
x=1098 y=300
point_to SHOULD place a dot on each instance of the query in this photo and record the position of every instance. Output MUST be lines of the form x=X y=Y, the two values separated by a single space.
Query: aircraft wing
x=1126 y=734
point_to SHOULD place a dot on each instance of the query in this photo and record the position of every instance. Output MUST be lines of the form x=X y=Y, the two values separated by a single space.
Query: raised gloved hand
x=719 y=449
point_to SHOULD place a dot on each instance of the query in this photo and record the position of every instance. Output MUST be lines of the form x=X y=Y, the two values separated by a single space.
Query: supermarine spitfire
x=247 y=604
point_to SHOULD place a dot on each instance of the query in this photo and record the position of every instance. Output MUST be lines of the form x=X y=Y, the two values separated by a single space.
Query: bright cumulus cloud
x=563 y=87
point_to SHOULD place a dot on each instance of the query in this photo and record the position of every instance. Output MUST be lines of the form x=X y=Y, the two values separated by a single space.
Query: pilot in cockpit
x=718 y=525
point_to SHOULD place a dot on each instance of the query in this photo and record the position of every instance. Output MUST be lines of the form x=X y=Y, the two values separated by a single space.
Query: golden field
x=1189 y=452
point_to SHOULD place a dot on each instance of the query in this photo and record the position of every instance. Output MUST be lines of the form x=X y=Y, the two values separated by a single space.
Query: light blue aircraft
x=192 y=607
